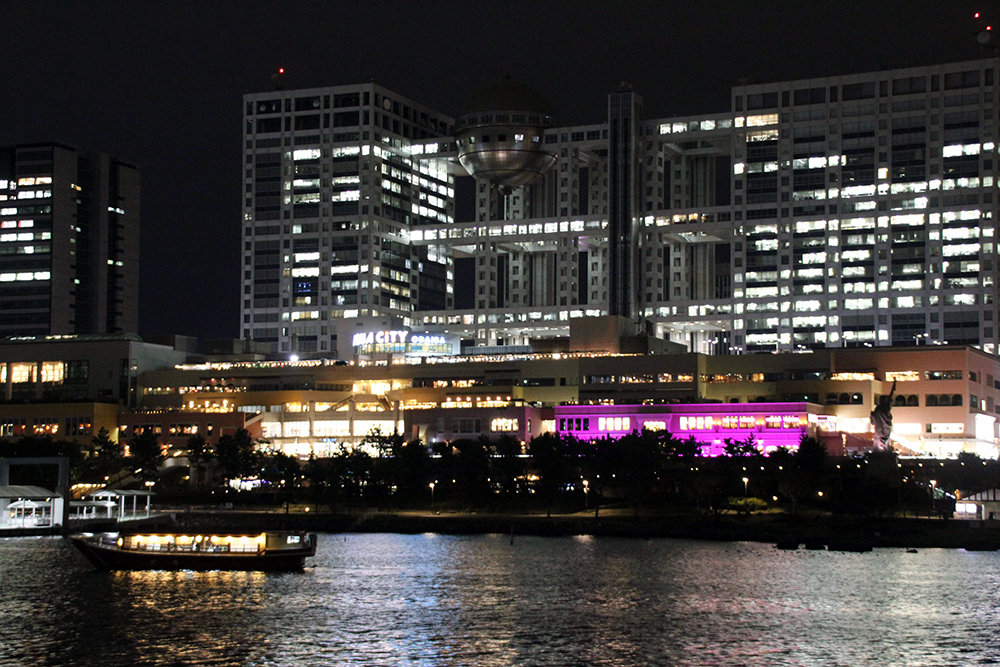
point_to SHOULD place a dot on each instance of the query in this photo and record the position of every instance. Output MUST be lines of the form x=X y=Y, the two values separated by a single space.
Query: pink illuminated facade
x=772 y=425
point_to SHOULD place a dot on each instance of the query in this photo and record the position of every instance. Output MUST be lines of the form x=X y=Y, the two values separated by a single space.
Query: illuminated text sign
x=380 y=338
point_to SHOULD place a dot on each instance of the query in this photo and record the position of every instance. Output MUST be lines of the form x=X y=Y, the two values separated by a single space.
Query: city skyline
x=169 y=99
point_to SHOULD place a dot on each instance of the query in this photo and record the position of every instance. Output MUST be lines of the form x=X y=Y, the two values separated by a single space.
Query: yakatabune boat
x=269 y=551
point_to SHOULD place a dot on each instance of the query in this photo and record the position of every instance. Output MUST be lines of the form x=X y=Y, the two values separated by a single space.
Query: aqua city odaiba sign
x=380 y=338
x=401 y=341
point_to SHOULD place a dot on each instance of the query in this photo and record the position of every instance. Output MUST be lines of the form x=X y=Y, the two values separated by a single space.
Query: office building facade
x=332 y=193
x=69 y=242
x=846 y=211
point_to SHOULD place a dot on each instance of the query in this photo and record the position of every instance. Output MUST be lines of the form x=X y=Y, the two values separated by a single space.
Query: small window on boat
x=294 y=539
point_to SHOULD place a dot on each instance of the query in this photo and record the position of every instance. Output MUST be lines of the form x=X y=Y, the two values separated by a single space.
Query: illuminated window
x=614 y=424
x=52 y=371
x=762 y=119
x=329 y=428
x=295 y=429
x=22 y=373
x=346 y=195
x=501 y=424
x=858 y=304
x=307 y=154
x=944 y=375
x=853 y=376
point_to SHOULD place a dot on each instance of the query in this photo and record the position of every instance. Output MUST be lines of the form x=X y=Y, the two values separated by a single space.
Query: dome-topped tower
x=500 y=134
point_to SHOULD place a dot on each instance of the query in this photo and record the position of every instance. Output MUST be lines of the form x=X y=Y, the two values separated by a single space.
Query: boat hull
x=109 y=558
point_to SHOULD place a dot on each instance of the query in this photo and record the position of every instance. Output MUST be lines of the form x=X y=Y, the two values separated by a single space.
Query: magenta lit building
x=772 y=425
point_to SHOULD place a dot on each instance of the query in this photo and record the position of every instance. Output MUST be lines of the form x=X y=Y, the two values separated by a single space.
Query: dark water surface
x=441 y=600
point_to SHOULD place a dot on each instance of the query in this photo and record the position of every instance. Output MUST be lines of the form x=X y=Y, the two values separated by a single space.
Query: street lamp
x=745 y=480
x=432 y=495
x=586 y=488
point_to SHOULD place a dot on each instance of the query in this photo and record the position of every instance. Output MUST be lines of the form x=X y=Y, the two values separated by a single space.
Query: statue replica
x=882 y=421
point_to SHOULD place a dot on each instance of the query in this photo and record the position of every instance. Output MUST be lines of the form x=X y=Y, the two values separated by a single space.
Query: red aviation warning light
x=984 y=33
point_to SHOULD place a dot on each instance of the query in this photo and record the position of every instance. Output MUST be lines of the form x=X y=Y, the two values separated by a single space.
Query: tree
x=970 y=474
x=281 y=473
x=105 y=457
x=710 y=484
x=505 y=466
x=597 y=459
x=382 y=445
x=549 y=455
x=810 y=456
x=147 y=454
x=237 y=454
x=385 y=465
x=103 y=446
x=746 y=447
x=680 y=447
x=744 y=505
x=200 y=454
x=472 y=470
x=412 y=470
x=800 y=472
x=354 y=469
x=636 y=462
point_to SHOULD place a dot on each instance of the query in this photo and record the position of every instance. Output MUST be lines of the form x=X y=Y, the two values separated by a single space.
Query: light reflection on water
x=442 y=600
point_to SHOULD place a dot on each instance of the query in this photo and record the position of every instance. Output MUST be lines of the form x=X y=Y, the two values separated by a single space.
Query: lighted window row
x=24 y=276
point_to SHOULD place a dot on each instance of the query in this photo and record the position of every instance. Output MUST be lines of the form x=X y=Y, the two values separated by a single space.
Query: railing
x=204 y=547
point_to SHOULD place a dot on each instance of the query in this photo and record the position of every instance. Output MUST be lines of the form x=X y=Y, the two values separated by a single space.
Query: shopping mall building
x=945 y=401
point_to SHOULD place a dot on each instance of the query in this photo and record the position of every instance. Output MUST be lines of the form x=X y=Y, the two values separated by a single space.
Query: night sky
x=160 y=85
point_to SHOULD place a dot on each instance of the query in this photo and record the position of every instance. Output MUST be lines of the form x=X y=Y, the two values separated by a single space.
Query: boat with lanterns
x=267 y=551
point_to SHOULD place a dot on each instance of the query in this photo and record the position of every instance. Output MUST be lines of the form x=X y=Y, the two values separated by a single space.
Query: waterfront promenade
x=772 y=527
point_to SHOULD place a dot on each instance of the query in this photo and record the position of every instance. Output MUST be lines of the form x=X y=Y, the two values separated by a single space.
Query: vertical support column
x=653 y=266
x=5 y=479
x=519 y=203
x=350 y=418
x=60 y=504
x=567 y=279
x=624 y=110
x=703 y=271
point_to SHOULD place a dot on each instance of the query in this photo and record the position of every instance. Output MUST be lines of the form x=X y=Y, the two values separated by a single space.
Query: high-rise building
x=332 y=194
x=855 y=210
x=69 y=242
